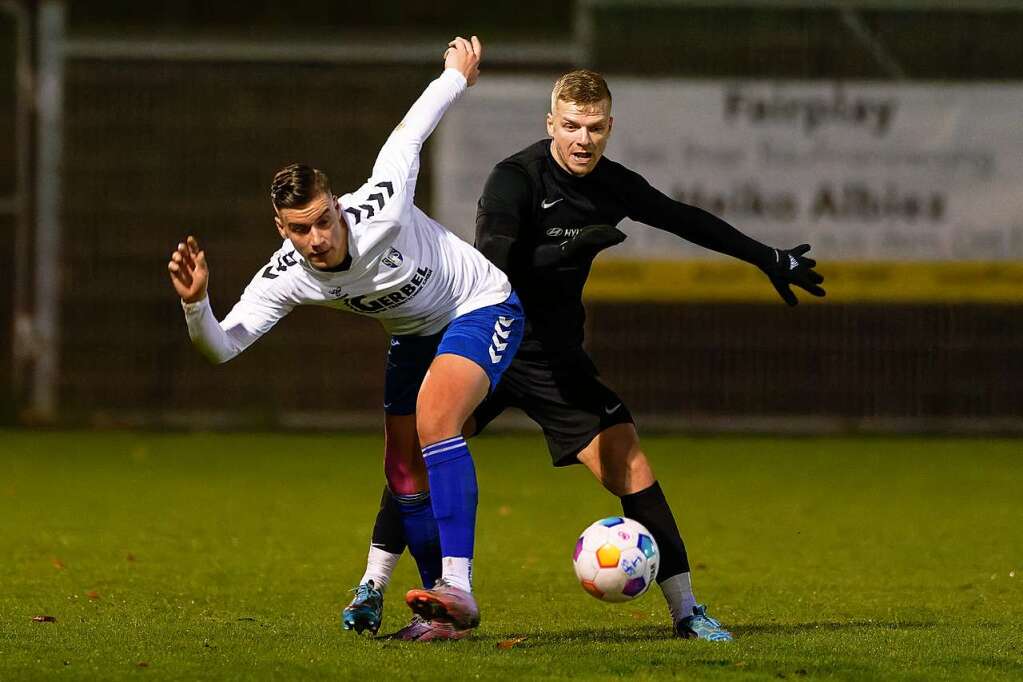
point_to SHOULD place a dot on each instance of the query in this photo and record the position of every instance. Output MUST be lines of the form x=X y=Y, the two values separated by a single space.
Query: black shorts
x=563 y=394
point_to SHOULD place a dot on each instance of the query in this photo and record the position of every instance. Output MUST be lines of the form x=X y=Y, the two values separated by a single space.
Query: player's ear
x=280 y=227
x=550 y=124
x=610 y=124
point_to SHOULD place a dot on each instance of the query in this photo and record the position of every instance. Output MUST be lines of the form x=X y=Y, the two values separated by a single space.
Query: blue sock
x=454 y=493
x=421 y=534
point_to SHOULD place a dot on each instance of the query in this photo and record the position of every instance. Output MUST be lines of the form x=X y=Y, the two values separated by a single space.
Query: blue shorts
x=488 y=336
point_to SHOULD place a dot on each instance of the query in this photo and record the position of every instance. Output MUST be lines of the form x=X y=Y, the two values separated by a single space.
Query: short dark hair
x=296 y=185
x=581 y=86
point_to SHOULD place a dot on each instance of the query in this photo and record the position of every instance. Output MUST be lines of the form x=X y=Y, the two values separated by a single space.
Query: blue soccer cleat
x=701 y=626
x=365 y=610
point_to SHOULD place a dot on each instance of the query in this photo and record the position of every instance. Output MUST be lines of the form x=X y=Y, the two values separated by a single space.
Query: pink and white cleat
x=422 y=630
x=445 y=603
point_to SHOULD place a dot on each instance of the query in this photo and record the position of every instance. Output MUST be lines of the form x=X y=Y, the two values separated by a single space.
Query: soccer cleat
x=701 y=626
x=365 y=610
x=445 y=603
x=422 y=630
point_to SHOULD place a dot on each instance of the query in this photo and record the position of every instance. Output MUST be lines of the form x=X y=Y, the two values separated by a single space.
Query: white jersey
x=407 y=270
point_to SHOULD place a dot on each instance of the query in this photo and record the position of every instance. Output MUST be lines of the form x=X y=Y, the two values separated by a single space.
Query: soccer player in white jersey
x=372 y=252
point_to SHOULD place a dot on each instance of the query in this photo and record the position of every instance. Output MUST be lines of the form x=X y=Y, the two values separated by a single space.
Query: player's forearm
x=208 y=337
x=398 y=160
x=704 y=229
x=711 y=232
x=424 y=115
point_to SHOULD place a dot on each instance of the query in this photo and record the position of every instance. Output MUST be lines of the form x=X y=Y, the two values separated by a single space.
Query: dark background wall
x=156 y=150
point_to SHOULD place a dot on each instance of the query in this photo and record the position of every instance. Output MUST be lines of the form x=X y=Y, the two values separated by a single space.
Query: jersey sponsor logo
x=366 y=305
x=283 y=263
x=563 y=231
x=547 y=204
x=499 y=340
x=336 y=292
x=392 y=259
x=374 y=202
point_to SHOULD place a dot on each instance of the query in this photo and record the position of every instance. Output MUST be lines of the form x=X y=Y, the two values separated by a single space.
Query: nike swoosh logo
x=612 y=410
x=547 y=204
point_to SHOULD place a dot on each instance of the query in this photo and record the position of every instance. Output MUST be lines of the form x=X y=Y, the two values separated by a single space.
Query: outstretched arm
x=398 y=160
x=784 y=267
x=217 y=341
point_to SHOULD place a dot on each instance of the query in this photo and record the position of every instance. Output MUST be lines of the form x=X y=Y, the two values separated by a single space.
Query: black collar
x=342 y=266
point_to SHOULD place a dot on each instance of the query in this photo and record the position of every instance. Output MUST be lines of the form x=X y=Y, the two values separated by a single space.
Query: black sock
x=651 y=509
x=388 y=531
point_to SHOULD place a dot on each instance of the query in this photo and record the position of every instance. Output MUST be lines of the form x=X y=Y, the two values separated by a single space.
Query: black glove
x=791 y=267
x=583 y=247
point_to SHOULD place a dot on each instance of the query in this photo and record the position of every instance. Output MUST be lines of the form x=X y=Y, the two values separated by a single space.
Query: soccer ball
x=616 y=559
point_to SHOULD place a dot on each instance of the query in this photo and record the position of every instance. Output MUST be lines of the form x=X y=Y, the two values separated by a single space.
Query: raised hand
x=792 y=267
x=189 y=273
x=464 y=55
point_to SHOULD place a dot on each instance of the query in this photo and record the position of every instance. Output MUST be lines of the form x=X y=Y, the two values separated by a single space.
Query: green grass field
x=230 y=556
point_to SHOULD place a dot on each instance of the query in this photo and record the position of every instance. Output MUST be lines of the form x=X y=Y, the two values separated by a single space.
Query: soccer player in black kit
x=544 y=214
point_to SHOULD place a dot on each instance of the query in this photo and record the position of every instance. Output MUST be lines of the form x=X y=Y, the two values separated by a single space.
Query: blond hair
x=581 y=86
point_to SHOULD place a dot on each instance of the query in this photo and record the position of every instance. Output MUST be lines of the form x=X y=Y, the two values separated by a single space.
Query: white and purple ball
x=616 y=559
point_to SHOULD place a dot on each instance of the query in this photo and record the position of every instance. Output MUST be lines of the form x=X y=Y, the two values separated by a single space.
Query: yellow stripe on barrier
x=846 y=282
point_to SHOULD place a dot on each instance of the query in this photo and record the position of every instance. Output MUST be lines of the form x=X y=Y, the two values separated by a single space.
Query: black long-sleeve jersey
x=530 y=201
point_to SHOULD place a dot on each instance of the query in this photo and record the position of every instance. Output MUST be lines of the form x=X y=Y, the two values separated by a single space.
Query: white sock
x=457 y=571
x=678 y=592
x=379 y=567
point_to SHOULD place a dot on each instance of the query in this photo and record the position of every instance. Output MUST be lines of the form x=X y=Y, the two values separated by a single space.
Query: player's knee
x=405 y=475
x=436 y=427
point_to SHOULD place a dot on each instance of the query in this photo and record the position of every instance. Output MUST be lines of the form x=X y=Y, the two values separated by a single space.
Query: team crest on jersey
x=392 y=259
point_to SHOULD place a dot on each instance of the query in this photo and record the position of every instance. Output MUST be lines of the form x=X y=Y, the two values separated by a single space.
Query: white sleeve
x=251 y=317
x=398 y=160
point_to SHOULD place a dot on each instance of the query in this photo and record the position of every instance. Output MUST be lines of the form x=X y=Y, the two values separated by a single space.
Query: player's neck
x=343 y=266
